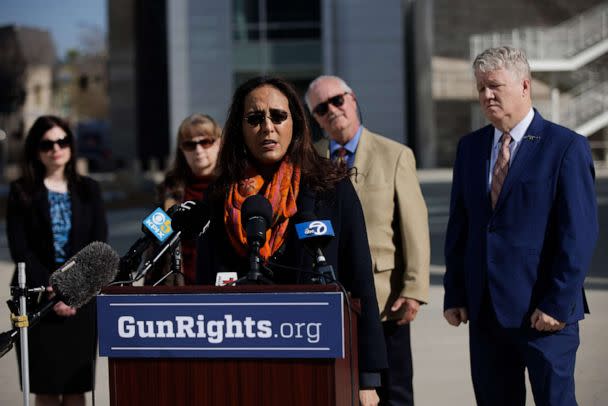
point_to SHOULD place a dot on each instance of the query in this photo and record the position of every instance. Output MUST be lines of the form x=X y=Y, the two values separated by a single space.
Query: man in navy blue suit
x=521 y=234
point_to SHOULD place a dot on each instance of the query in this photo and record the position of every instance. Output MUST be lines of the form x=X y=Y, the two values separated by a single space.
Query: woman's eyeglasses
x=48 y=145
x=190 y=145
x=323 y=108
x=256 y=118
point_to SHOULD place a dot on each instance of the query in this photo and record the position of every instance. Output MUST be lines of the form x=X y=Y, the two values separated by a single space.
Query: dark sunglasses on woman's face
x=47 y=145
x=276 y=116
x=323 y=108
x=190 y=145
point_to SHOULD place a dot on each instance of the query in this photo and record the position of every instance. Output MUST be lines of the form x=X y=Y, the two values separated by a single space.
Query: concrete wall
x=200 y=60
x=122 y=76
x=367 y=44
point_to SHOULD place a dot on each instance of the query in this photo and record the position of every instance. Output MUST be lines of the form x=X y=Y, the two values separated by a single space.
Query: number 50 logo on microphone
x=159 y=224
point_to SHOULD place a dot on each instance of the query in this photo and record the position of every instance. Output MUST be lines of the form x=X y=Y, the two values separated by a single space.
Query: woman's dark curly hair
x=32 y=168
x=318 y=173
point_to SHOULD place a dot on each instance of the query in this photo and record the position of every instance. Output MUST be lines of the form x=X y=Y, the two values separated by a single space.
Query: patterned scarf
x=281 y=192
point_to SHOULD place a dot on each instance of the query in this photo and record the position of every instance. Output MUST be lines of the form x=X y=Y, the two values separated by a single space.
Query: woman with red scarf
x=267 y=150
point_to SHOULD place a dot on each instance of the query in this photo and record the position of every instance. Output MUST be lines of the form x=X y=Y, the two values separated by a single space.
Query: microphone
x=190 y=217
x=84 y=275
x=316 y=234
x=157 y=226
x=75 y=283
x=161 y=226
x=256 y=216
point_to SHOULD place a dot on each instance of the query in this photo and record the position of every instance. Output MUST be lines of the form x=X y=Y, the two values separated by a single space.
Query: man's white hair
x=316 y=82
x=511 y=59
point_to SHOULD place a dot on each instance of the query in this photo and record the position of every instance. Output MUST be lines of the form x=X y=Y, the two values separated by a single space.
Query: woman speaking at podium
x=267 y=150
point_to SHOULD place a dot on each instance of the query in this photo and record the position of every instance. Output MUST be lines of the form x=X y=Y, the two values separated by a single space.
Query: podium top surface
x=134 y=290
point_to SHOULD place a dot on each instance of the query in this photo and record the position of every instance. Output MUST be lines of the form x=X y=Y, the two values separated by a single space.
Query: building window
x=276 y=37
x=257 y=20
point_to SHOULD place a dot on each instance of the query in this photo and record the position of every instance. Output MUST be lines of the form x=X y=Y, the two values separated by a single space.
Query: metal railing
x=585 y=106
x=559 y=42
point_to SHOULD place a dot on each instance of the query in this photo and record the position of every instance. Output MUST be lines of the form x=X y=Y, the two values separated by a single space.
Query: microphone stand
x=324 y=271
x=254 y=276
x=176 y=264
x=150 y=263
x=25 y=362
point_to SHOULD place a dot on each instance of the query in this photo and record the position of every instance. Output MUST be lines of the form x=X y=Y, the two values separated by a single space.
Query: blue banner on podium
x=252 y=325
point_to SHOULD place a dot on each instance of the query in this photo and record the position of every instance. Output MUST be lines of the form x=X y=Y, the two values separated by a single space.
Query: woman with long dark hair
x=267 y=150
x=52 y=213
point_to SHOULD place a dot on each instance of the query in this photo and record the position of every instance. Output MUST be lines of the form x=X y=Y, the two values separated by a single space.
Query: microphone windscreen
x=85 y=274
x=256 y=206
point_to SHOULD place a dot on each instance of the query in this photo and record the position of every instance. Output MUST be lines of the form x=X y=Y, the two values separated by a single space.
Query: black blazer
x=348 y=253
x=29 y=232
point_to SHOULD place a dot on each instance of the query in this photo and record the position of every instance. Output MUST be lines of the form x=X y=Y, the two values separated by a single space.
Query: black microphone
x=157 y=227
x=190 y=217
x=256 y=217
x=316 y=234
x=75 y=283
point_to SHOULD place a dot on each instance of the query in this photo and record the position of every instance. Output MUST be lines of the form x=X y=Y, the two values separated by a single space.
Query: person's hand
x=368 y=397
x=64 y=310
x=411 y=309
x=541 y=321
x=456 y=315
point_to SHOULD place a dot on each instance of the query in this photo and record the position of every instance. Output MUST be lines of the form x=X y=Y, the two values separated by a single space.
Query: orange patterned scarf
x=281 y=192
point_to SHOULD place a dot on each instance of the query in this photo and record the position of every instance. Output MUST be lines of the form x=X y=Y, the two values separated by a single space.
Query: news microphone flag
x=316 y=228
x=159 y=224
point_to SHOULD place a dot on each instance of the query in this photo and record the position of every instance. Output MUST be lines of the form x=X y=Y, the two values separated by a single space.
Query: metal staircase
x=569 y=48
x=565 y=47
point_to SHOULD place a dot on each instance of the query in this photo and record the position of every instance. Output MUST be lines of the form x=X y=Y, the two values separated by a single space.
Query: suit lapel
x=526 y=151
x=77 y=216
x=364 y=159
x=481 y=165
x=322 y=147
x=41 y=202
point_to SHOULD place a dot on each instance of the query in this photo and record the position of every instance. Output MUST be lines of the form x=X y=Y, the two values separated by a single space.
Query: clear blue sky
x=64 y=19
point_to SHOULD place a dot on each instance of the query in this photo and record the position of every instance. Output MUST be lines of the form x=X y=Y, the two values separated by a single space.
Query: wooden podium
x=236 y=381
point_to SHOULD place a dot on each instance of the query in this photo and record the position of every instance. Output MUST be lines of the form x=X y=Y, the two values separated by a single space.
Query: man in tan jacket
x=395 y=217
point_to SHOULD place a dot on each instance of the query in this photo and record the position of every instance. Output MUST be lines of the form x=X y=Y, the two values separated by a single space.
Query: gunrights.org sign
x=252 y=325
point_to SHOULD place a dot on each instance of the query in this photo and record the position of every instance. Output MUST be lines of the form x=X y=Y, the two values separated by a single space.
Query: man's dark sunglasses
x=256 y=118
x=47 y=145
x=323 y=108
x=190 y=145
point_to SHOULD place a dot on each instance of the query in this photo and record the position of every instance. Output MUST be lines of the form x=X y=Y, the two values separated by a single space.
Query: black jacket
x=348 y=253
x=28 y=226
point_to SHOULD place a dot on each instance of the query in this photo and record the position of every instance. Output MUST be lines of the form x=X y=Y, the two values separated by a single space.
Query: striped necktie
x=501 y=167
x=341 y=156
